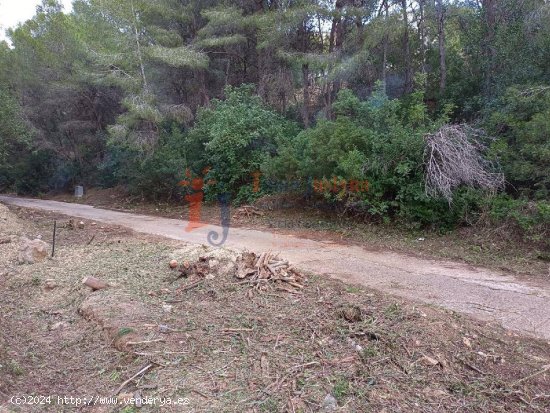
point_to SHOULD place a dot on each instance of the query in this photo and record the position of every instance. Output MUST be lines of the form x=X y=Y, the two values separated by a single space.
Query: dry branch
x=265 y=269
x=247 y=211
x=142 y=371
x=455 y=156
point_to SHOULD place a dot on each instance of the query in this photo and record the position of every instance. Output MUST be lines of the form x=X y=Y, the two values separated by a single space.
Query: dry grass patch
x=209 y=339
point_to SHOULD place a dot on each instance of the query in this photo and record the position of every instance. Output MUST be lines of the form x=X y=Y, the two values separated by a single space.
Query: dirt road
x=498 y=297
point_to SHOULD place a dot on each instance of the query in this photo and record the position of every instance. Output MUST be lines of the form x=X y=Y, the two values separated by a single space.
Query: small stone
x=329 y=404
x=167 y=308
x=50 y=284
x=81 y=224
x=58 y=325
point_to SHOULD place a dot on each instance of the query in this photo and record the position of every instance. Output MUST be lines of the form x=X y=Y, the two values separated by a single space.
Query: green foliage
x=30 y=174
x=178 y=56
x=521 y=121
x=154 y=176
x=529 y=218
x=15 y=139
x=234 y=138
x=13 y=130
x=379 y=140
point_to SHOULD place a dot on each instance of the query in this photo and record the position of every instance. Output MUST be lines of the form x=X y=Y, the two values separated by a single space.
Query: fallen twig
x=236 y=330
x=136 y=343
x=543 y=370
x=142 y=371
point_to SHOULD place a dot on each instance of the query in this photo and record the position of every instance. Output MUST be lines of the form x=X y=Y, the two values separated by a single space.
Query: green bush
x=521 y=122
x=530 y=219
x=379 y=140
x=153 y=176
x=17 y=164
x=234 y=137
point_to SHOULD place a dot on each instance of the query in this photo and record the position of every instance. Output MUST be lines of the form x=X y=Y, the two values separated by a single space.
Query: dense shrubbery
x=530 y=219
x=234 y=138
x=152 y=176
x=379 y=140
x=521 y=121
x=21 y=169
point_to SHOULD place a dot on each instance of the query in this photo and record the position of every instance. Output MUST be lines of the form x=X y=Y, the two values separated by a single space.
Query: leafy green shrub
x=153 y=176
x=379 y=140
x=234 y=137
x=15 y=136
x=521 y=122
x=530 y=219
x=31 y=173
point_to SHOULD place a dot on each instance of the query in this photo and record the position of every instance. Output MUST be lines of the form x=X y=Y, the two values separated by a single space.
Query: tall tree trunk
x=205 y=99
x=140 y=57
x=305 y=106
x=422 y=32
x=321 y=40
x=336 y=40
x=406 y=49
x=489 y=15
x=442 y=46
x=385 y=47
x=304 y=47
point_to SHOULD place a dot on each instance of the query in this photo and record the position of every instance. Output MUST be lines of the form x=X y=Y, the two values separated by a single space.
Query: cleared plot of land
x=227 y=346
x=511 y=301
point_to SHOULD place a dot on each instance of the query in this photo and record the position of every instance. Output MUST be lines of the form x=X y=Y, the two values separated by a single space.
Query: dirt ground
x=212 y=343
x=493 y=248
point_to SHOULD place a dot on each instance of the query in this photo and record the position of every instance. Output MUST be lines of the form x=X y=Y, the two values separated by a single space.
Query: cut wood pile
x=267 y=270
x=246 y=211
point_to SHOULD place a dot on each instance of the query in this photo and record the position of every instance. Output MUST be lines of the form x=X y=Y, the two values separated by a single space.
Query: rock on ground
x=32 y=251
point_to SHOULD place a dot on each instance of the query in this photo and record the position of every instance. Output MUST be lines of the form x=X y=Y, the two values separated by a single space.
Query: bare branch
x=455 y=156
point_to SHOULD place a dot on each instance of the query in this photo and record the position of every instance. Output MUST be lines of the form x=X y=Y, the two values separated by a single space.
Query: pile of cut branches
x=247 y=211
x=267 y=270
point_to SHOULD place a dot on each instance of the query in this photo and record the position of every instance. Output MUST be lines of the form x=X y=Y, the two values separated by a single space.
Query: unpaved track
x=514 y=303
